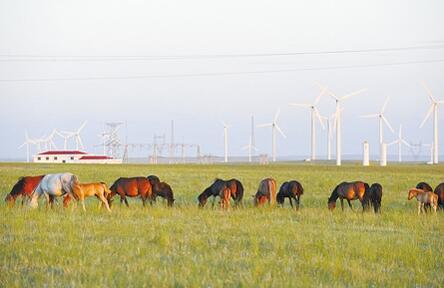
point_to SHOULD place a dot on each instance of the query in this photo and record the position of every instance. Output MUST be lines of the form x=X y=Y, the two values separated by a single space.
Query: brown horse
x=439 y=190
x=349 y=191
x=163 y=190
x=423 y=197
x=266 y=192
x=100 y=190
x=291 y=189
x=426 y=187
x=23 y=188
x=225 y=198
x=131 y=187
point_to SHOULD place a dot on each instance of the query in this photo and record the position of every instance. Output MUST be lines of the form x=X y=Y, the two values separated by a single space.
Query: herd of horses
x=148 y=188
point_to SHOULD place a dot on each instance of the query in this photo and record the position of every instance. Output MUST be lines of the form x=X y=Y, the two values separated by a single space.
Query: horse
x=423 y=197
x=131 y=187
x=55 y=185
x=426 y=187
x=266 y=192
x=216 y=189
x=291 y=189
x=23 y=188
x=374 y=197
x=225 y=195
x=100 y=190
x=349 y=191
x=163 y=190
x=439 y=190
x=237 y=191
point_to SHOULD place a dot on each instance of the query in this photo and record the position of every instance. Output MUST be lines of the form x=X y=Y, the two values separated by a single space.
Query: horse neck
x=334 y=196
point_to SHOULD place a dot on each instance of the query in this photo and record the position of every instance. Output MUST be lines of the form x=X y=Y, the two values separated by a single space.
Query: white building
x=73 y=156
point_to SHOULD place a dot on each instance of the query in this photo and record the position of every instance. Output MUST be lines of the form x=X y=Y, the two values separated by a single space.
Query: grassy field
x=185 y=246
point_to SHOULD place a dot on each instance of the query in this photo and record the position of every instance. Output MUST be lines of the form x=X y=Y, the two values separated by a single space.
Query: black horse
x=373 y=197
x=161 y=189
x=291 y=189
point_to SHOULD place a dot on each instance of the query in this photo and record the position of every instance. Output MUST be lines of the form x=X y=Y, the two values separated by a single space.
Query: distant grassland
x=185 y=246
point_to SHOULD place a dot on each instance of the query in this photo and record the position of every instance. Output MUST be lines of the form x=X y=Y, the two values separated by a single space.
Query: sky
x=149 y=62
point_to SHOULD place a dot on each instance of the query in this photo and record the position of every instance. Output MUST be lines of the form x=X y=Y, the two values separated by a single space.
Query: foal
x=424 y=197
x=100 y=190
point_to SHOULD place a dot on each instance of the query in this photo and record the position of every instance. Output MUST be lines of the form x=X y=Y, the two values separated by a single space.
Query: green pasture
x=185 y=246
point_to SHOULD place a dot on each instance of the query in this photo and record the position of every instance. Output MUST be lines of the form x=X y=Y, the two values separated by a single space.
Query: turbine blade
x=387 y=123
x=81 y=127
x=277 y=115
x=316 y=111
x=406 y=143
x=317 y=99
x=353 y=94
x=280 y=131
x=264 y=125
x=393 y=142
x=299 y=104
x=427 y=116
x=385 y=105
x=369 y=116
x=429 y=92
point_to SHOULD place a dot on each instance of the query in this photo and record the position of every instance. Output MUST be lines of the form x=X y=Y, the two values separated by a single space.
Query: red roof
x=93 y=157
x=63 y=152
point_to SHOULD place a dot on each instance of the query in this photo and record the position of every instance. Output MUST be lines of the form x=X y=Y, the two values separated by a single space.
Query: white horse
x=55 y=185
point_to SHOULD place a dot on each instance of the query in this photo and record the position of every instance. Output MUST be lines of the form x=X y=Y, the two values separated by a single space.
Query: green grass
x=186 y=246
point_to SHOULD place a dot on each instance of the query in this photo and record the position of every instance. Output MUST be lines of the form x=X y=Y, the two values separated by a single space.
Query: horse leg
x=297 y=202
x=104 y=201
x=342 y=203
x=291 y=202
x=419 y=208
x=350 y=205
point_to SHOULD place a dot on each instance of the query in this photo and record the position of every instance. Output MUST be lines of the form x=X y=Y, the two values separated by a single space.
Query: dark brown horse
x=217 y=189
x=290 y=190
x=161 y=189
x=266 y=192
x=349 y=191
x=373 y=197
x=439 y=190
x=131 y=187
x=23 y=188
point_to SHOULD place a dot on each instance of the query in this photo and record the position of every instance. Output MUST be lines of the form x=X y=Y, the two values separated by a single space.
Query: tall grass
x=186 y=246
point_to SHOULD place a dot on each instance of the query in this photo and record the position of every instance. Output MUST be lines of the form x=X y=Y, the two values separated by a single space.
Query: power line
x=88 y=58
x=220 y=73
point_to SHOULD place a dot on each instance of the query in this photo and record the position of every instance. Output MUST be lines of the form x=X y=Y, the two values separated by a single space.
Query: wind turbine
x=28 y=141
x=251 y=144
x=338 y=115
x=382 y=120
x=274 y=127
x=48 y=141
x=400 y=141
x=434 y=109
x=314 y=114
x=76 y=135
x=225 y=141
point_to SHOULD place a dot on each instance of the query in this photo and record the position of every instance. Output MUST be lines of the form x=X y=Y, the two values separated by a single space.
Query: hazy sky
x=95 y=29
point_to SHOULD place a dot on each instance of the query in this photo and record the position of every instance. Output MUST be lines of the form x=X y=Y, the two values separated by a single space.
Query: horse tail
x=301 y=189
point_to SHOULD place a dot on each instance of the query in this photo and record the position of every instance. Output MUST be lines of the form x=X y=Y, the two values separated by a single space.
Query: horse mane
x=334 y=195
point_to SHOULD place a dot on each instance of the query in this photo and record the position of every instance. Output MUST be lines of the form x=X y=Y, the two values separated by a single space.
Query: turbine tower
x=382 y=120
x=225 y=141
x=314 y=115
x=400 y=141
x=338 y=117
x=331 y=126
x=251 y=144
x=274 y=127
x=434 y=109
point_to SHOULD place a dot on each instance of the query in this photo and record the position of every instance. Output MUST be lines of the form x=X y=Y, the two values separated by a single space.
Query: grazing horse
x=131 y=187
x=373 y=197
x=266 y=192
x=162 y=189
x=349 y=191
x=23 y=188
x=291 y=189
x=424 y=197
x=237 y=191
x=439 y=190
x=214 y=190
x=55 y=185
x=100 y=190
